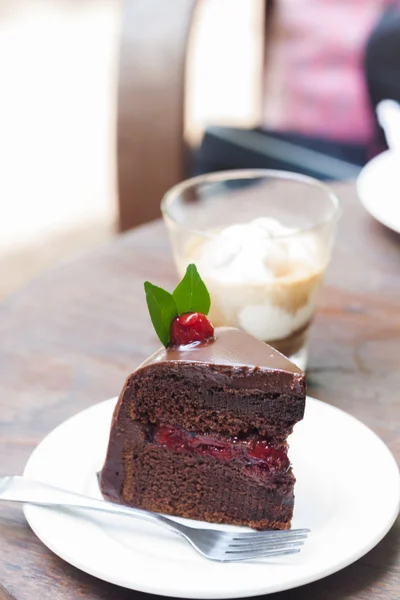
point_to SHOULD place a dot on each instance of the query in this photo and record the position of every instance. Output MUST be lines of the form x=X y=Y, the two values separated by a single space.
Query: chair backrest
x=150 y=142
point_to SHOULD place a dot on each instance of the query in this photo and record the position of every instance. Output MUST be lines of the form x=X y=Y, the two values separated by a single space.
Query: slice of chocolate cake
x=200 y=428
x=200 y=431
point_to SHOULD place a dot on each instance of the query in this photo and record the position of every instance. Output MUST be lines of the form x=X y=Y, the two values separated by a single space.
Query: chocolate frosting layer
x=232 y=347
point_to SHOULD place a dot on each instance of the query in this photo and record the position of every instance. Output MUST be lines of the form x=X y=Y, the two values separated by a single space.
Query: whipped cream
x=255 y=252
x=262 y=276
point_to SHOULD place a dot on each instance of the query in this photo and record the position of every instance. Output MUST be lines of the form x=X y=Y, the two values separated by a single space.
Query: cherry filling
x=252 y=450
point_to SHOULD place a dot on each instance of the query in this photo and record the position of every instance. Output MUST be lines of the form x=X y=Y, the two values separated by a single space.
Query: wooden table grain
x=69 y=339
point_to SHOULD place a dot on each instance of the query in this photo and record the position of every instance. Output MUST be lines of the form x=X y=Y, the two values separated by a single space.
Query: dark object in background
x=382 y=60
x=226 y=148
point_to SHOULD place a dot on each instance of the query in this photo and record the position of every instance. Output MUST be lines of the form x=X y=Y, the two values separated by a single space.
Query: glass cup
x=261 y=240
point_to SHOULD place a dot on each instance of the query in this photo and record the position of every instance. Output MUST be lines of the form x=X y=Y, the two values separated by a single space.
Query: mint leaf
x=191 y=294
x=162 y=309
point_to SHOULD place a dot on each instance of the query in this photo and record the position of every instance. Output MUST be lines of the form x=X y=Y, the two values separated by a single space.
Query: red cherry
x=213 y=446
x=190 y=327
x=171 y=438
x=220 y=452
x=260 y=451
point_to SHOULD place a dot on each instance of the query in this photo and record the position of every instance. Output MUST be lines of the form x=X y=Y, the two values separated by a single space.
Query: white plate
x=378 y=187
x=347 y=492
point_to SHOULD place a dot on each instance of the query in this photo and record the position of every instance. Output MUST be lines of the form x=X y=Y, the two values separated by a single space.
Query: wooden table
x=69 y=339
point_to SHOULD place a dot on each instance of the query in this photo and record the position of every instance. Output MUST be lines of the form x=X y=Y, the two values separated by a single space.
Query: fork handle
x=19 y=489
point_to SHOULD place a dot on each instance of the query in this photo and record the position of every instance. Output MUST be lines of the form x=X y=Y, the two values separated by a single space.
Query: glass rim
x=176 y=190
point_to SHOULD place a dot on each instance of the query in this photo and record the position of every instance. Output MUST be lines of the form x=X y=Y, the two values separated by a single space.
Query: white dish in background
x=388 y=113
x=347 y=492
x=378 y=187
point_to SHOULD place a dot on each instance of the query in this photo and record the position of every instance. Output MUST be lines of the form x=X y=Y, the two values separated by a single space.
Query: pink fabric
x=317 y=55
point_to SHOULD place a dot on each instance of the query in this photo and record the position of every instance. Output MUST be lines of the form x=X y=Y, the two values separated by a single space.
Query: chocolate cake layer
x=147 y=475
x=212 y=399
x=211 y=388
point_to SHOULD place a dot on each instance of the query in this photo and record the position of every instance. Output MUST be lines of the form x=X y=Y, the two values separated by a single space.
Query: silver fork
x=218 y=545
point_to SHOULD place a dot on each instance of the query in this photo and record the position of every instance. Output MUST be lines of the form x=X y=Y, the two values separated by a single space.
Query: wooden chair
x=151 y=152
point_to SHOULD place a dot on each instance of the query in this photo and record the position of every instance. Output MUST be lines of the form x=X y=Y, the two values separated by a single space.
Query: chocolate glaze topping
x=232 y=347
x=233 y=358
